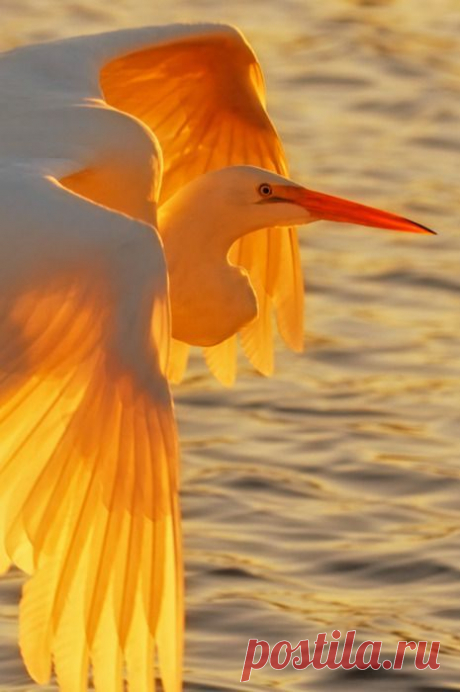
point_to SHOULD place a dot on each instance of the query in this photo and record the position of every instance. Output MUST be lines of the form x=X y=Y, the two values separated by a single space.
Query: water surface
x=329 y=496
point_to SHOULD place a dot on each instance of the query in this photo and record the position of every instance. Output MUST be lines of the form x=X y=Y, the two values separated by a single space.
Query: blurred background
x=329 y=496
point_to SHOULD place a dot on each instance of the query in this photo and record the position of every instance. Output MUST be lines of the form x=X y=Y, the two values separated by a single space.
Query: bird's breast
x=210 y=304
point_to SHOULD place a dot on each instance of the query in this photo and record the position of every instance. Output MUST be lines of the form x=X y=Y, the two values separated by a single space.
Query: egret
x=145 y=207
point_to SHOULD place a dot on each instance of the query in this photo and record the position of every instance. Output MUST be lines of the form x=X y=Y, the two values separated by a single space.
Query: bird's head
x=201 y=222
x=252 y=198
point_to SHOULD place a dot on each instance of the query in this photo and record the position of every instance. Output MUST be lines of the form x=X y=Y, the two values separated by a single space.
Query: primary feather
x=88 y=461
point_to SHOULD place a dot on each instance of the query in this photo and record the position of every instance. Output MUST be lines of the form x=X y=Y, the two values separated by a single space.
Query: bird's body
x=138 y=218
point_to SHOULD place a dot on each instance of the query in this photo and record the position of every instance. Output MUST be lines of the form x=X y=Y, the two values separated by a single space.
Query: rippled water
x=329 y=496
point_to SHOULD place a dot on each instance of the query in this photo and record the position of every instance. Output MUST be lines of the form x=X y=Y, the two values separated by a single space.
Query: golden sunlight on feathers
x=91 y=293
x=88 y=460
x=204 y=98
x=89 y=490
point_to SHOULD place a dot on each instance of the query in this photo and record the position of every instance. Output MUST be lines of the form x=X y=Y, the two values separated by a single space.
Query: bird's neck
x=210 y=298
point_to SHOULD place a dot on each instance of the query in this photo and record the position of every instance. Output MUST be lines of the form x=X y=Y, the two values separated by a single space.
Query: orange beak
x=328 y=208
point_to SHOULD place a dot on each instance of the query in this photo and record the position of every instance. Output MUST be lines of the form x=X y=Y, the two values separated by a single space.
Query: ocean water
x=328 y=496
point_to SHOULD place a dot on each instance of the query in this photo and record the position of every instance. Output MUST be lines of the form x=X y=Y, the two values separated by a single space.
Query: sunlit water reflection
x=327 y=497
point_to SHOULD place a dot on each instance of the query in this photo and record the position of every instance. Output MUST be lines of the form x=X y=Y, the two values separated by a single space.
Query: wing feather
x=88 y=453
x=257 y=340
x=203 y=96
x=178 y=360
x=221 y=360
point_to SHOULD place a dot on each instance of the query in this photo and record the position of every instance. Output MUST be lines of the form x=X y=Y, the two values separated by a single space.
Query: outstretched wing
x=203 y=96
x=88 y=447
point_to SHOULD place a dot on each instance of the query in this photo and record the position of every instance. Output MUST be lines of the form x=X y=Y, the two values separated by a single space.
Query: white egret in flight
x=145 y=207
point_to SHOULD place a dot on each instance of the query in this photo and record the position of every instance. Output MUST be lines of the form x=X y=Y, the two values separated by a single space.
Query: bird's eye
x=265 y=190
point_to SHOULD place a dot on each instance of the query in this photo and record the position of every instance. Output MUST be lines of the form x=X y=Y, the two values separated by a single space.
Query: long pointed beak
x=329 y=208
